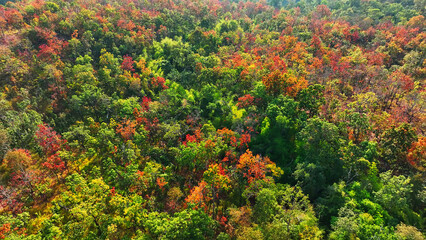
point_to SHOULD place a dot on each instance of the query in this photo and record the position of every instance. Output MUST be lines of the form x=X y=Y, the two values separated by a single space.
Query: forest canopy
x=212 y=119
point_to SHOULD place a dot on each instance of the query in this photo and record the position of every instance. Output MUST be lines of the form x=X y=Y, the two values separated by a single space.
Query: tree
x=51 y=143
x=82 y=73
x=319 y=156
x=187 y=224
x=395 y=144
x=21 y=127
x=48 y=139
x=278 y=132
x=256 y=167
x=84 y=206
x=394 y=195
x=285 y=212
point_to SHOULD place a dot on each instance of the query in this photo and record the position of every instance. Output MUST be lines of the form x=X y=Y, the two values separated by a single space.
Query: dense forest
x=210 y=119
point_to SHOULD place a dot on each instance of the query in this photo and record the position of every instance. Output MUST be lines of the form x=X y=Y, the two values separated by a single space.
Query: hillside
x=209 y=119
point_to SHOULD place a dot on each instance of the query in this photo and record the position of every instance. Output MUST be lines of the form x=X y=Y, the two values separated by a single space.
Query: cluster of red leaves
x=232 y=138
x=138 y=114
x=229 y=157
x=24 y=177
x=161 y=182
x=145 y=103
x=51 y=143
x=4 y=229
x=223 y=220
x=198 y=196
x=12 y=16
x=127 y=129
x=58 y=90
x=54 y=162
x=9 y=200
x=322 y=11
x=162 y=31
x=127 y=63
x=150 y=124
x=405 y=81
x=196 y=137
x=128 y=25
x=158 y=83
x=244 y=140
x=48 y=139
x=112 y=191
x=417 y=154
x=351 y=34
x=277 y=82
x=228 y=136
x=253 y=167
x=53 y=47
x=245 y=101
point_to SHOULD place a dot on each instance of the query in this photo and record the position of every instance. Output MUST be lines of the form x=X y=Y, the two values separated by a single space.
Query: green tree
x=284 y=212
x=394 y=146
x=319 y=161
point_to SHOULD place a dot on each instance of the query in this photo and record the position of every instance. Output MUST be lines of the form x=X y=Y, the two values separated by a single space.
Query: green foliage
x=21 y=127
x=278 y=130
x=81 y=74
x=285 y=213
x=311 y=99
x=319 y=156
x=396 y=141
x=188 y=224
x=204 y=119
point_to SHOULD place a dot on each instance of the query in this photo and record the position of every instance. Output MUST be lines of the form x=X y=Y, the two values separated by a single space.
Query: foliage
x=205 y=119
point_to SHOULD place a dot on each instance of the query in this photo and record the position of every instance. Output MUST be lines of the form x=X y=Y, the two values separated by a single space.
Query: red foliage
x=403 y=80
x=229 y=157
x=376 y=58
x=322 y=11
x=145 y=103
x=48 y=139
x=158 y=83
x=45 y=51
x=126 y=129
x=53 y=47
x=59 y=93
x=13 y=17
x=273 y=82
x=198 y=196
x=244 y=140
x=245 y=101
x=9 y=200
x=253 y=167
x=278 y=82
x=223 y=221
x=351 y=34
x=228 y=136
x=4 y=229
x=150 y=125
x=189 y=138
x=54 y=163
x=138 y=114
x=162 y=31
x=193 y=138
x=127 y=63
x=417 y=154
x=112 y=191
x=161 y=182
